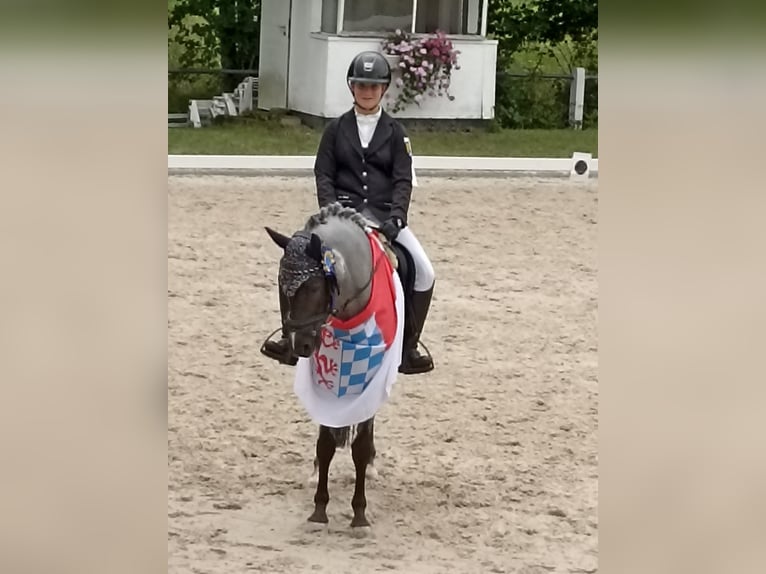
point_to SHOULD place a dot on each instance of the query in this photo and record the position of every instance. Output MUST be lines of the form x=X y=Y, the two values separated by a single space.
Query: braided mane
x=335 y=210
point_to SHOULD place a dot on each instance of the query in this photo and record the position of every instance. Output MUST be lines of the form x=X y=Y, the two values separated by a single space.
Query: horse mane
x=335 y=210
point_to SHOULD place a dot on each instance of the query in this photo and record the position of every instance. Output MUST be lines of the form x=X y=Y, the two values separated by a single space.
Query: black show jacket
x=379 y=177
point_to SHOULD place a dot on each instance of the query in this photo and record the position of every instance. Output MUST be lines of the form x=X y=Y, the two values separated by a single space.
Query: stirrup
x=407 y=369
x=284 y=357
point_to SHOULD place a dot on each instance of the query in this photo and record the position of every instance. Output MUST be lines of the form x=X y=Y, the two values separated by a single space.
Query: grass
x=268 y=137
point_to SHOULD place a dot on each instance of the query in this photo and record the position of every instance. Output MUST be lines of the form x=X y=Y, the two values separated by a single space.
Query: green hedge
x=536 y=101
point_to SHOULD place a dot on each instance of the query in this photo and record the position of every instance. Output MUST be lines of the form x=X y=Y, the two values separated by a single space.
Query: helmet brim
x=356 y=80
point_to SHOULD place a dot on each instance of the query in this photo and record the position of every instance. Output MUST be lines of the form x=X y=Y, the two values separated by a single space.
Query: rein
x=361 y=289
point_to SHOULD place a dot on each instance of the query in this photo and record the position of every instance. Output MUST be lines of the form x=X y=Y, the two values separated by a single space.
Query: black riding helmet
x=369 y=68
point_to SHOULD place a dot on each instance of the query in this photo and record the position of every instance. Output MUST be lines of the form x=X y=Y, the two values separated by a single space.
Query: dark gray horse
x=314 y=294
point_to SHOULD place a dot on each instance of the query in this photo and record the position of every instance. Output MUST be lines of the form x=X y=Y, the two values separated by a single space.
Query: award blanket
x=350 y=376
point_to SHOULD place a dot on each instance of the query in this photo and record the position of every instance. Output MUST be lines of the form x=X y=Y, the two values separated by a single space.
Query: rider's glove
x=391 y=228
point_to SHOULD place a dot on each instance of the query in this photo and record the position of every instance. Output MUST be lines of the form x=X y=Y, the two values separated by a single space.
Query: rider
x=364 y=161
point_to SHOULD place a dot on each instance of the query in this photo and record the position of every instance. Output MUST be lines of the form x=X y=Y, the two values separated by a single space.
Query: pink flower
x=423 y=51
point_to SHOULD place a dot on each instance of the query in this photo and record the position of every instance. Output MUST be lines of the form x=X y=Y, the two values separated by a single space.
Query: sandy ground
x=487 y=464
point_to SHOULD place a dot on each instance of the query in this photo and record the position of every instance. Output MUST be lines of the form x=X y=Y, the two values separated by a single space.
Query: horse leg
x=372 y=472
x=360 y=452
x=325 y=452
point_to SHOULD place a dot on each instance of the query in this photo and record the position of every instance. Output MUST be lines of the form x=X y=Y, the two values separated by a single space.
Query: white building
x=307 y=45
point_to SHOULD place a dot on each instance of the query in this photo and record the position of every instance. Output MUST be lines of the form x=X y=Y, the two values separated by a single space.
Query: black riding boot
x=280 y=350
x=412 y=361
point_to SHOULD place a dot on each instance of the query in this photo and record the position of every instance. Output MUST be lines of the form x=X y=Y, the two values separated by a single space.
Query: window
x=329 y=16
x=420 y=16
x=452 y=16
x=377 y=15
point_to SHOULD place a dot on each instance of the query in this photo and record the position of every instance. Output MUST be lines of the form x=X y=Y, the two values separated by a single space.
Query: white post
x=341 y=13
x=577 y=98
x=246 y=97
x=414 y=15
x=484 y=12
x=194 y=114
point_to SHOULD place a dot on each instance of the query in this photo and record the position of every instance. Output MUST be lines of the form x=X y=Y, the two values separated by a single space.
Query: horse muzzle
x=304 y=343
x=305 y=336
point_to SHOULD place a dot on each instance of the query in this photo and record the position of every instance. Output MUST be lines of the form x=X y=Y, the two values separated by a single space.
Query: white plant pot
x=393 y=61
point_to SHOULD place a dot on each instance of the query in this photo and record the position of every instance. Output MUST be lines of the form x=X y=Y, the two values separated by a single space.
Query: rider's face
x=368 y=95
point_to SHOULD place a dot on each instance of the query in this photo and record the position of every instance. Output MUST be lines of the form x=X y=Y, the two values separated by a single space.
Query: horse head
x=325 y=270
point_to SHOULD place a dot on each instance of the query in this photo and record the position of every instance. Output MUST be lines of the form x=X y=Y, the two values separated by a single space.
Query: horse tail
x=341 y=436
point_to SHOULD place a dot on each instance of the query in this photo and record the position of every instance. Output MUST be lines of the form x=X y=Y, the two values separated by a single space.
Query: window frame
x=339 y=31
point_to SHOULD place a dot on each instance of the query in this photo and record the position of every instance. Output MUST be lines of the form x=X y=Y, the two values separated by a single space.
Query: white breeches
x=424 y=271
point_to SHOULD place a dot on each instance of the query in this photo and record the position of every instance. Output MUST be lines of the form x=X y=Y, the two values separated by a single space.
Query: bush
x=534 y=101
x=181 y=89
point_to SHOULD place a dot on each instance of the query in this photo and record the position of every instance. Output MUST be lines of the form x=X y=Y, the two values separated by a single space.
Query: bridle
x=313 y=325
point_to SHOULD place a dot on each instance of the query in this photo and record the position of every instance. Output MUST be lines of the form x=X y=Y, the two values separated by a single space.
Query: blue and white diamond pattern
x=363 y=349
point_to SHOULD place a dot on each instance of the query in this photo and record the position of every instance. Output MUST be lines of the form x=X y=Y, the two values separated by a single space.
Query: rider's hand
x=391 y=228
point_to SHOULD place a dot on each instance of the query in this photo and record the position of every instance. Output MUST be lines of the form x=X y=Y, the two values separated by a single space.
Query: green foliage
x=515 y=24
x=185 y=87
x=213 y=33
x=539 y=37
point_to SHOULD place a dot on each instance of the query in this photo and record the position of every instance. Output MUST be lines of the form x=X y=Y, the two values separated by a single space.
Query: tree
x=222 y=31
x=536 y=38
x=515 y=24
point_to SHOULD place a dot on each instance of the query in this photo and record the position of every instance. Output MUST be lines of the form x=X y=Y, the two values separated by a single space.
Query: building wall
x=308 y=59
x=318 y=65
x=473 y=85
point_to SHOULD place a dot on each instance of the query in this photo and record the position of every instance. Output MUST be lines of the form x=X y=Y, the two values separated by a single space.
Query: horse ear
x=314 y=249
x=279 y=239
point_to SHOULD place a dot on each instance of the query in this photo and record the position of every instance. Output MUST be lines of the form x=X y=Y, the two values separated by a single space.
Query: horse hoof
x=316 y=526
x=319 y=517
x=359 y=521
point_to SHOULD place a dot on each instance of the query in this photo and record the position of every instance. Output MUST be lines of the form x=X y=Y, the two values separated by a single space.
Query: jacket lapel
x=351 y=132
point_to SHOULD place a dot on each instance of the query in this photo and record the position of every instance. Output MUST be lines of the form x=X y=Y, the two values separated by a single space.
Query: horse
x=333 y=271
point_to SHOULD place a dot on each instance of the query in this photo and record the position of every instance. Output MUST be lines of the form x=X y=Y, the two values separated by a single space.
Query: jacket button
x=364 y=174
x=364 y=187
